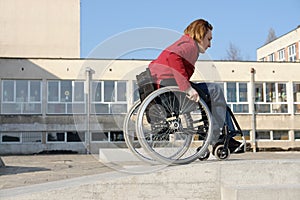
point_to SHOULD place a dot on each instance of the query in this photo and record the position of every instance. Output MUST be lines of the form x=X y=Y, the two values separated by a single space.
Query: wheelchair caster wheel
x=221 y=153
x=204 y=156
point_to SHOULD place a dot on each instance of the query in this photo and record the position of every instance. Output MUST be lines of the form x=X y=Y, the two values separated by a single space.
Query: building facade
x=79 y=105
x=40 y=28
x=283 y=49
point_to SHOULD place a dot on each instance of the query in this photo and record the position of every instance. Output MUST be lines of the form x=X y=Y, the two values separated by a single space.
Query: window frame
x=274 y=105
x=27 y=106
x=237 y=95
x=64 y=106
x=106 y=103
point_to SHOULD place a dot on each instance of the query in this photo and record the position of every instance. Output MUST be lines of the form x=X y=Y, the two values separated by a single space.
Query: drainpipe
x=89 y=75
x=253 y=119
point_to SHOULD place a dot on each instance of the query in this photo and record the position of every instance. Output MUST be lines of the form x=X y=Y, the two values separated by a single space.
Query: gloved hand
x=192 y=94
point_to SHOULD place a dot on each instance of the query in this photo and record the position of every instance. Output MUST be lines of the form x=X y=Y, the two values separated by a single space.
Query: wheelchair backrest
x=145 y=83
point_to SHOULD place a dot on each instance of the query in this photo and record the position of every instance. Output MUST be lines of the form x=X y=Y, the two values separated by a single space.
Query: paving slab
x=84 y=177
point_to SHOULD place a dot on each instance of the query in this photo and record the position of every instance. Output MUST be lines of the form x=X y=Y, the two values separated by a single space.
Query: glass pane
x=21 y=91
x=119 y=108
x=53 y=91
x=259 y=92
x=96 y=92
x=103 y=136
x=297 y=135
x=116 y=136
x=296 y=91
x=271 y=94
x=76 y=108
x=121 y=91
x=243 y=92
x=99 y=108
x=31 y=137
x=8 y=91
x=279 y=108
x=297 y=108
x=262 y=108
x=79 y=91
x=35 y=91
x=282 y=92
x=241 y=108
x=75 y=136
x=55 y=137
x=265 y=135
x=11 y=137
x=34 y=108
x=66 y=91
x=109 y=91
x=280 y=135
x=231 y=92
x=11 y=108
x=56 y=108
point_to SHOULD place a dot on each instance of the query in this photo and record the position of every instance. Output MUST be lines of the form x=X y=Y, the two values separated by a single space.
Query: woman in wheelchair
x=175 y=66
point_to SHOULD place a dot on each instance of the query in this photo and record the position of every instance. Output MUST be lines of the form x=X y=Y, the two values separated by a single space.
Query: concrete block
x=112 y=155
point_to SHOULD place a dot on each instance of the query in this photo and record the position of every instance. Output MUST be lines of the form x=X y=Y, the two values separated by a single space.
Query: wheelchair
x=165 y=126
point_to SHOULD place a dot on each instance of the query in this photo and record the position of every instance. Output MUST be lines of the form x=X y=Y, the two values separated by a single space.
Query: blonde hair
x=198 y=29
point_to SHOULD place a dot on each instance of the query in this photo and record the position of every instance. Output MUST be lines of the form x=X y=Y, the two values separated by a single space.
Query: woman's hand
x=192 y=94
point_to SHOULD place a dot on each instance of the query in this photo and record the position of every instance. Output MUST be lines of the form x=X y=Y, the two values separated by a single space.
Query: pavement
x=261 y=175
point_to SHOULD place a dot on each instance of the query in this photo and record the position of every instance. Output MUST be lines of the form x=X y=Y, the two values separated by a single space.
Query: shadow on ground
x=12 y=170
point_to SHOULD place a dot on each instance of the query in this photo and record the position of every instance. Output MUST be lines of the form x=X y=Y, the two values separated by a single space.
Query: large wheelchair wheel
x=130 y=135
x=168 y=123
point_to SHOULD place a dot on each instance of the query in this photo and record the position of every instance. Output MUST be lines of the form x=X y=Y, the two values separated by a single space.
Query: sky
x=242 y=23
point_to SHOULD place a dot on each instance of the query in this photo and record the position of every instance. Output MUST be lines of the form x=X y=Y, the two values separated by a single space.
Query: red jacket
x=176 y=61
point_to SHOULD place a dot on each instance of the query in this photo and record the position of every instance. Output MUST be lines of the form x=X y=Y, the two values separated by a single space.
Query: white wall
x=40 y=28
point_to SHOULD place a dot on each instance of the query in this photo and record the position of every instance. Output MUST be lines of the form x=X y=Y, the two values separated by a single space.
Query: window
x=296 y=96
x=281 y=55
x=262 y=59
x=21 y=97
x=292 y=53
x=66 y=97
x=75 y=136
x=262 y=135
x=272 y=135
x=66 y=136
x=31 y=137
x=100 y=137
x=237 y=97
x=56 y=137
x=109 y=97
x=271 y=98
x=297 y=135
x=271 y=57
x=280 y=135
x=11 y=137
x=24 y=137
x=113 y=136
x=116 y=136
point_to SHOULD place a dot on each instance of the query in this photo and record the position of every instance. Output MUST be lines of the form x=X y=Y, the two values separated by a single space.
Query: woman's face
x=205 y=43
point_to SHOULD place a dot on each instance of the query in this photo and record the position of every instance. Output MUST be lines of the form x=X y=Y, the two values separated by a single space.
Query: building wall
x=40 y=28
x=278 y=128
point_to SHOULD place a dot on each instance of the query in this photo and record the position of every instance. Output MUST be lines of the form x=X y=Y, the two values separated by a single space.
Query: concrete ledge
x=264 y=192
x=112 y=155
